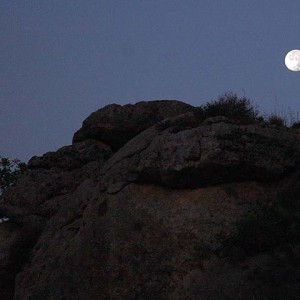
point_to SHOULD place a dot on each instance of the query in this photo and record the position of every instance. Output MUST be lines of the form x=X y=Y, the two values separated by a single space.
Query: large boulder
x=145 y=242
x=115 y=125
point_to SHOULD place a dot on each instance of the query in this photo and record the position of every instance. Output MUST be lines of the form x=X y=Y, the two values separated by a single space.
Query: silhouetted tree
x=10 y=170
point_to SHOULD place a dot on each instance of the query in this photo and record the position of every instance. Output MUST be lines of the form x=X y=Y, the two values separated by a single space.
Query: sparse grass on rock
x=243 y=110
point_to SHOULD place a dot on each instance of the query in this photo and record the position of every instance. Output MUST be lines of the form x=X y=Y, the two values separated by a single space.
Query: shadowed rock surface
x=148 y=202
x=72 y=157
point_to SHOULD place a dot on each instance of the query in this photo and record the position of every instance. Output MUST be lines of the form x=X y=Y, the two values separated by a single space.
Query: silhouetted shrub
x=9 y=171
x=296 y=125
x=274 y=119
x=230 y=106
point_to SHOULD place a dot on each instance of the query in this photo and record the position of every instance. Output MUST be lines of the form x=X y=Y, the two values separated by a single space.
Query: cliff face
x=147 y=203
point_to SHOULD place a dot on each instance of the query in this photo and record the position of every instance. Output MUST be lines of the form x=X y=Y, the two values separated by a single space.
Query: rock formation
x=115 y=124
x=147 y=203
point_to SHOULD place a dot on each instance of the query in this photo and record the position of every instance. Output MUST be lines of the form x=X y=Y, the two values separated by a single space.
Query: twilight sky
x=60 y=60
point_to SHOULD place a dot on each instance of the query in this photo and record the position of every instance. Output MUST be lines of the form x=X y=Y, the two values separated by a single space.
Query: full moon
x=292 y=60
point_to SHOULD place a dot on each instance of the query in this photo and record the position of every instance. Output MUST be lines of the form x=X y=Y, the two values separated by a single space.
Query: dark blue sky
x=61 y=60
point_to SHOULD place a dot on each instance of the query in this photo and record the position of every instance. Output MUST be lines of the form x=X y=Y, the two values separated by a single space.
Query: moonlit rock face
x=292 y=60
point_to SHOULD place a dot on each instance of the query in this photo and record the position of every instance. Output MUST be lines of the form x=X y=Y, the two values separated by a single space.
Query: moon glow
x=292 y=60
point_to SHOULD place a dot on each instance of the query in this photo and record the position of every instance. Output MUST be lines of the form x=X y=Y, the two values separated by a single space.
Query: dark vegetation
x=243 y=110
x=10 y=170
x=232 y=107
x=274 y=119
x=296 y=125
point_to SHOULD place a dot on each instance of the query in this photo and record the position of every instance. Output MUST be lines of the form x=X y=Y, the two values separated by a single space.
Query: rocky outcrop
x=41 y=193
x=115 y=125
x=142 y=204
x=184 y=152
x=72 y=157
